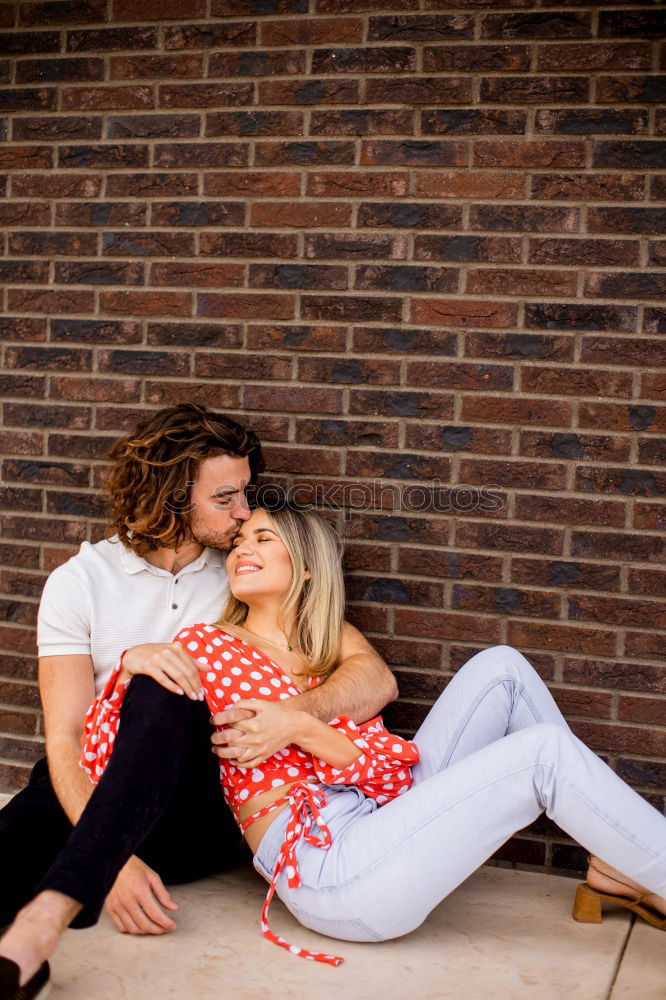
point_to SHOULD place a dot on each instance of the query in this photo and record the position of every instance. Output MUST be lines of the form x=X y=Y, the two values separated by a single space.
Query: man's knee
x=148 y=700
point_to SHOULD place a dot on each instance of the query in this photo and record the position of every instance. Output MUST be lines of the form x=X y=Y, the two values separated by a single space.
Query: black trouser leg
x=159 y=797
x=33 y=829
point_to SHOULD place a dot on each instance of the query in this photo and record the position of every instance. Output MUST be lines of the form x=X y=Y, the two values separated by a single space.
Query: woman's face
x=258 y=563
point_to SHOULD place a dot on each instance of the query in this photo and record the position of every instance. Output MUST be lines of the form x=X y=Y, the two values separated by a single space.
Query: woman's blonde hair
x=318 y=600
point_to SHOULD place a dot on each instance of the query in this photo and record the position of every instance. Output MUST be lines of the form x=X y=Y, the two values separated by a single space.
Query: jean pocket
x=343 y=928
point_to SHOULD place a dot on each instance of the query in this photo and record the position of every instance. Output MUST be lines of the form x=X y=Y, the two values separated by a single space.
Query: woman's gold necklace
x=288 y=648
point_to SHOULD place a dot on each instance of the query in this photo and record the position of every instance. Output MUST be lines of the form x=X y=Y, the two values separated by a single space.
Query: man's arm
x=359 y=687
x=67 y=689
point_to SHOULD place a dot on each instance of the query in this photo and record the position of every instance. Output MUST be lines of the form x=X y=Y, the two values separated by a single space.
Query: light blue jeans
x=495 y=753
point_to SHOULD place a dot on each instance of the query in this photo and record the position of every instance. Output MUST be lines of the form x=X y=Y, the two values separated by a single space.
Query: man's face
x=219 y=505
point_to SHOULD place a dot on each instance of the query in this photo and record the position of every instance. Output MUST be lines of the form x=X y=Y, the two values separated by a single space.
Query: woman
x=360 y=833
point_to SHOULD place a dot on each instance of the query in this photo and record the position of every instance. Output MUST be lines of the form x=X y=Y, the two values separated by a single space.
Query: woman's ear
x=308 y=574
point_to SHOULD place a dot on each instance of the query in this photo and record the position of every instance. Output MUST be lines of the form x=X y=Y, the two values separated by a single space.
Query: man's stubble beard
x=211 y=537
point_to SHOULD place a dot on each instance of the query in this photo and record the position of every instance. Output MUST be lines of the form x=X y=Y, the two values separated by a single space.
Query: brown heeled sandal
x=587 y=904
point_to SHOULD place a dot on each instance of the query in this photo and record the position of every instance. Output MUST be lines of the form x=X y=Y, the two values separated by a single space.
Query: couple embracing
x=196 y=607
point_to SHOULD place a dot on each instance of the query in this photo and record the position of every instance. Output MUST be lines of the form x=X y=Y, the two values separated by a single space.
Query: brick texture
x=419 y=246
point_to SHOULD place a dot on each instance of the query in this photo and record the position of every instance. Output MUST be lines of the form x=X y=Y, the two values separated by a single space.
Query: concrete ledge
x=502 y=935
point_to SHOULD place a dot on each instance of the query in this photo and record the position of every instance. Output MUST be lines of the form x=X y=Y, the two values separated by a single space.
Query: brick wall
x=416 y=245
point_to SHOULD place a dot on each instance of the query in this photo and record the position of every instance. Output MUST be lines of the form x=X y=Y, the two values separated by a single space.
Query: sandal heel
x=587 y=905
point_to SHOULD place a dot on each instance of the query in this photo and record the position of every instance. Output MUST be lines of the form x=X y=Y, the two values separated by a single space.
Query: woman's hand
x=168 y=664
x=253 y=739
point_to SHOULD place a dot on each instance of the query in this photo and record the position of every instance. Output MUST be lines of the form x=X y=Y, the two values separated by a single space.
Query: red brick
x=414 y=152
x=627 y=417
x=614 y=674
x=21 y=443
x=363 y=61
x=146 y=303
x=427 y=27
x=535 y=89
x=352 y=432
x=504 y=600
x=595 y=253
x=106 y=98
x=246 y=306
x=225 y=123
x=338 y=370
x=485 y=249
x=463 y=312
x=651 y=516
x=57 y=301
x=476 y=58
x=453 y=565
x=651 y=711
x=217 y=395
x=316 y=92
x=306 y=153
x=300 y=214
x=605 y=121
x=231 y=34
x=651 y=582
x=355 y=246
x=241 y=366
x=22 y=328
x=599 y=447
x=451 y=375
x=301 y=400
x=248 y=64
x=350 y=184
x=201 y=154
x=593 y=56
x=442 y=625
x=633 y=89
x=24 y=213
x=25 y=157
x=252 y=183
x=624 y=351
x=645 y=644
x=419 y=90
x=204 y=95
x=155 y=67
x=297 y=276
x=57 y=127
x=562 y=572
x=507 y=537
x=296 y=338
x=528 y=153
x=536 y=24
x=576 y=381
x=310 y=31
x=521 y=281
x=639 y=285
x=523 y=218
x=469 y=184
x=565 y=638
x=617 y=545
x=153 y=185
x=199 y=275
x=344 y=309
x=362 y=121
x=519 y=345
x=56 y=186
x=158 y=10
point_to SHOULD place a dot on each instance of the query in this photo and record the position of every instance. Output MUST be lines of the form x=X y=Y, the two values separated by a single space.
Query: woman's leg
x=387 y=870
x=494 y=693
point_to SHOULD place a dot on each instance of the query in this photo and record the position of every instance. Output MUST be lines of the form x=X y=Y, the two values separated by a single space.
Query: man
x=177 y=495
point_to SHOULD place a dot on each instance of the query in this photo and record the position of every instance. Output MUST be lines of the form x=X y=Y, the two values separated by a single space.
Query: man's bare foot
x=606 y=879
x=34 y=935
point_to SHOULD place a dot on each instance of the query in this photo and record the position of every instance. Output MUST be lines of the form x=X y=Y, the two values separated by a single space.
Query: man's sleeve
x=63 y=622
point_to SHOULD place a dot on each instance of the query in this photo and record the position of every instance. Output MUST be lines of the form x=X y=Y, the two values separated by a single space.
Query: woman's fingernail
x=201 y=695
x=179 y=691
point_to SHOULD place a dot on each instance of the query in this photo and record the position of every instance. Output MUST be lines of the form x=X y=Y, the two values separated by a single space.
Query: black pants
x=159 y=798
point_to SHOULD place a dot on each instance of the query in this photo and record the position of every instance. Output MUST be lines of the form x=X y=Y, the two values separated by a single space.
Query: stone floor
x=502 y=935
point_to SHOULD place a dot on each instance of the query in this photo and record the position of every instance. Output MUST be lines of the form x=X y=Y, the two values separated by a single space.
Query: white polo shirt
x=106 y=599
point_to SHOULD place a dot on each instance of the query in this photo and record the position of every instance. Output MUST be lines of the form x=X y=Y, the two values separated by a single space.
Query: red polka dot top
x=233 y=670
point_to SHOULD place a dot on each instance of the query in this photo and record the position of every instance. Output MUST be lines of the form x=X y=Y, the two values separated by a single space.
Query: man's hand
x=168 y=664
x=256 y=730
x=136 y=900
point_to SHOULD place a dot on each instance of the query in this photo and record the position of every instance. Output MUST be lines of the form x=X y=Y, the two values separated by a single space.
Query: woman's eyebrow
x=256 y=531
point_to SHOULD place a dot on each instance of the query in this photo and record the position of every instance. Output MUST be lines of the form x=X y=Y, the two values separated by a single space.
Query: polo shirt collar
x=133 y=563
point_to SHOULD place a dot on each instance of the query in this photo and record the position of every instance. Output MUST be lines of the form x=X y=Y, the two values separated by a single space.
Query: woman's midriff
x=256 y=831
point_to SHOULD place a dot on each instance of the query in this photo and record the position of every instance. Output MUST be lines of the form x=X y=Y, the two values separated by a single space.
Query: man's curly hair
x=156 y=465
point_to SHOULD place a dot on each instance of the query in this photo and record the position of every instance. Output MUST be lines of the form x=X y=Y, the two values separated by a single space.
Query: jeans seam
x=457 y=736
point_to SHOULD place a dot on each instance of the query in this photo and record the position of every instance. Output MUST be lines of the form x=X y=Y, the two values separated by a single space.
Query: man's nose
x=241 y=511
